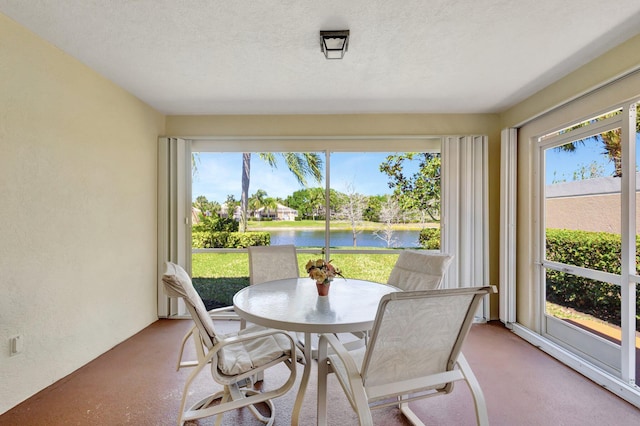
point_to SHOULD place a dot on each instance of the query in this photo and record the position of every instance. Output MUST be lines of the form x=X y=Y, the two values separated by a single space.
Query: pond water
x=341 y=238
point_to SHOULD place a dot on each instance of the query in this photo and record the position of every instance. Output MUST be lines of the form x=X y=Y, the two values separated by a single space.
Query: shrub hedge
x=429 y=238
x=224 y=239
x=593 y=250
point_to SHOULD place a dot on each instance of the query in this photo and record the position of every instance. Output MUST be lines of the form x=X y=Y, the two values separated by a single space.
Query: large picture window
x=355 y=206
x=220 y=195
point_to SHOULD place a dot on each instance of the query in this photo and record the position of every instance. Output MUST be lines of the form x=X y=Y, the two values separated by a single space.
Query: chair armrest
x=223 y=309
x=220 y=310
x=354 y=389
x=353 y=373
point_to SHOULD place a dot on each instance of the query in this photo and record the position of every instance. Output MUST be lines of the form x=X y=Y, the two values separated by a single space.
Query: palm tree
x=611 y=141
x=271 y=205
x=256 y=201
x=302 y=165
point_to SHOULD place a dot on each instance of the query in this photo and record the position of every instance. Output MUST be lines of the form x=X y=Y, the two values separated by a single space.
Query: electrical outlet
x=16 y=344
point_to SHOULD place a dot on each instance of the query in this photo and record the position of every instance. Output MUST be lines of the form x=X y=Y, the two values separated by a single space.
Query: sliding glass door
x=589 y=227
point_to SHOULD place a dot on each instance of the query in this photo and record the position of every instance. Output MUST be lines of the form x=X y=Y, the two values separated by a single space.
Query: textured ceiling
x=263 y=56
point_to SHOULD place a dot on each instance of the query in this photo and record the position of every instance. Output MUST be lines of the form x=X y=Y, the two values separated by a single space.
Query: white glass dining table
x=294 y=305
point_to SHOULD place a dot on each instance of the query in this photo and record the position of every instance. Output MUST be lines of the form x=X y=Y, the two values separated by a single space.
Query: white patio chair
x=234 y=358
x=266 y=263
x=416 y=270
x=269 y=263
x=421 y=361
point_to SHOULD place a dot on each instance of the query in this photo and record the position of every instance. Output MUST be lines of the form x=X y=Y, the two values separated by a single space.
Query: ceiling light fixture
x=334 y=43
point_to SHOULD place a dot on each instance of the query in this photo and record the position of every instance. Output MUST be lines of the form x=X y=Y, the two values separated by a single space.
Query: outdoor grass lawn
x=218 y=276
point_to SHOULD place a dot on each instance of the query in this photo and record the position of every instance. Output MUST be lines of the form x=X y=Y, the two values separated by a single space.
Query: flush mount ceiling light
x=334 y=43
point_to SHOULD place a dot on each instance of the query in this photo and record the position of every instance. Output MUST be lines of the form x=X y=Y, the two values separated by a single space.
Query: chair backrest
x=419 y=271
x=434 y=324
x=177 y=283
x=268 y=263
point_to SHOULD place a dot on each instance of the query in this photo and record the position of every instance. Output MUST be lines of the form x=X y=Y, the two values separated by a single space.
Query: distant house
x=280 y=213
x=196 y=213
x=237 y=212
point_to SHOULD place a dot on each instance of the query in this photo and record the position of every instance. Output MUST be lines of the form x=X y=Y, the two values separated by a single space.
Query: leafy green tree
x=419 y=191
x=210 y=220
x=300 y=201
x=316 y=201
x=374 y=207
x=310 y=202
x=336 y=201
x=302 y=165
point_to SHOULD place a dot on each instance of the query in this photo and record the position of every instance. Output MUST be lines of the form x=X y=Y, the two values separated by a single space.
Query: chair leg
x=184 y=342
x=302 y=342
x=408 y=413
x=183 y=401
x=237 y=393
x=482 y=415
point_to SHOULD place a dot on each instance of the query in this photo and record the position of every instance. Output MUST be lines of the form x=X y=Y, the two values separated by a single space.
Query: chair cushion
x=177 y=283
x=241 y=357
x=419 y=271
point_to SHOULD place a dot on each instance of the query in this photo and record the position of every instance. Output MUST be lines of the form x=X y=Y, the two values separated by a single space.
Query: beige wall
x=77 y=213
x=334 y=125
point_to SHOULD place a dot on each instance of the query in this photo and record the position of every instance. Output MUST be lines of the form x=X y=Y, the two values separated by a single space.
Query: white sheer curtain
x=174 y=193
x=465 y=212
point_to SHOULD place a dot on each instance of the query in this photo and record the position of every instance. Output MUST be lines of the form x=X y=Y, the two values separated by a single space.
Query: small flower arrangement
x=321 y=271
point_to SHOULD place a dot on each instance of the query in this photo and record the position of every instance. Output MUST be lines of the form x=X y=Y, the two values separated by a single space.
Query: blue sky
x=219 y=174
x=564 y=164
